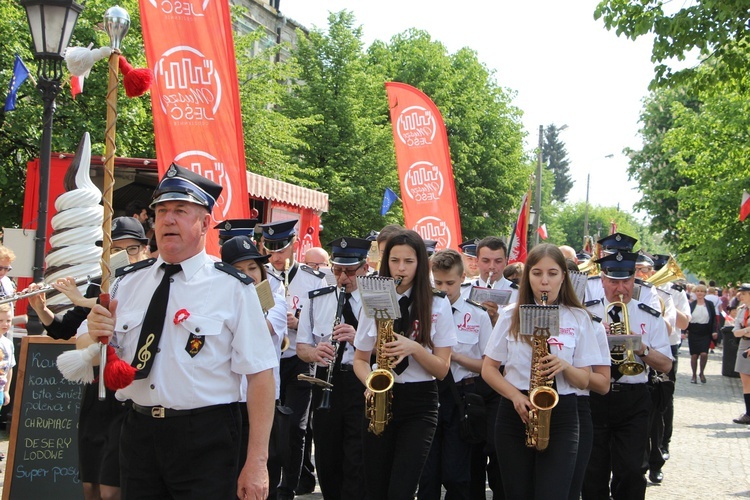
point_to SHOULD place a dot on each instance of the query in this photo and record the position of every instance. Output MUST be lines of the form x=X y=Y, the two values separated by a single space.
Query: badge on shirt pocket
x=194 y=344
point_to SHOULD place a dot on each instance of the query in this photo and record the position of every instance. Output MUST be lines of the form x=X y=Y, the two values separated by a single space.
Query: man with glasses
x=337 y=427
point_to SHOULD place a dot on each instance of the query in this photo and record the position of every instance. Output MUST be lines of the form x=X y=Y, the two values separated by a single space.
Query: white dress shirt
x=473 y=330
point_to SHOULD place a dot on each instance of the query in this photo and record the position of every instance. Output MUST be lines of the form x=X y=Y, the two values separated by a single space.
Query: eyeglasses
x=132 y=249
x=6 y=268
x=337 y=271
x=314 y=265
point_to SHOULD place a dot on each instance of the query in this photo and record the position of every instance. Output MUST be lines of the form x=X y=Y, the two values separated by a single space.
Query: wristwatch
x=645 y=351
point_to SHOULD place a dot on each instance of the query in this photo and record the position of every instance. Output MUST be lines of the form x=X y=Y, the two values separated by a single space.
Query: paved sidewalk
x=710 y=455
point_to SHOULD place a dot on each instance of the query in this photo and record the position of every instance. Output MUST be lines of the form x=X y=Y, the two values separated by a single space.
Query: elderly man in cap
x=339 y=411
x=621 y=417
x=280 y=241
x=193 y=329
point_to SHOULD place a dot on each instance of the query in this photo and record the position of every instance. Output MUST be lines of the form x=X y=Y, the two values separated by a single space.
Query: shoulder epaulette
x=596 y=318
x=590 y=303
x=231 y=271
x=643 y=283
x=677 y=287
x=438 y=293
x=321 y=291
x=475 y=304
x=597 y=277
x=649 y=309
x=465 y=284
x=514 y=286
x=122 y=271
x=312 y=271
x=272 y=273
x=665 y=292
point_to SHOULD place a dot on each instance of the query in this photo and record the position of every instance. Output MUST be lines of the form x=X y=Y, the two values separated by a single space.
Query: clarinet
x=325 y=402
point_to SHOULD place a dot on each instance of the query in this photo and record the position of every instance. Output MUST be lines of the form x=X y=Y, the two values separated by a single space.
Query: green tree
x=348 y=150
x=716 y=28
x=484 y=127
x=20 y=130
x=556 y=160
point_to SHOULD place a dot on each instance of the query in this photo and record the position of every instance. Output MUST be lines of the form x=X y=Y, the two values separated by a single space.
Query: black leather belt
x=618 y=387
x=161 y=412
x=346 y=368
x=466 y=381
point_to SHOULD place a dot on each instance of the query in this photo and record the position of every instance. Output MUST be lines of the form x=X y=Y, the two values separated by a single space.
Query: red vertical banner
x=424 y=166
x=195 y=97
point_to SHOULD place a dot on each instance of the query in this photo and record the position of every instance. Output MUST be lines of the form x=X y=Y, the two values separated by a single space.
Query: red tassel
x=136 y=81
x=117 y=374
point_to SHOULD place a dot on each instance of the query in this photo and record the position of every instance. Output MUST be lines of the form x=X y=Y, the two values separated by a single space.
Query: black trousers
x=449 y=461
x=620 y=434
x=185 y=457
x=528 y=473
x=295 y=395
x=485 y=469
x=394 y=460
x=585 y=443
x=669 y=412
x=337 y=433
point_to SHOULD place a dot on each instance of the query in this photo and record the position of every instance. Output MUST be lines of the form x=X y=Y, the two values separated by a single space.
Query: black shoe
x=665 y=454
x=655 y=476
x=743 y=419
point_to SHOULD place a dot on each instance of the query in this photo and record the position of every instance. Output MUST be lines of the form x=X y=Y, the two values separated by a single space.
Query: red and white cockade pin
x=181 y=316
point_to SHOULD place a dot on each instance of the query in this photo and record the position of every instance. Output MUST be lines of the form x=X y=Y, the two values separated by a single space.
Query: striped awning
x=283 y=192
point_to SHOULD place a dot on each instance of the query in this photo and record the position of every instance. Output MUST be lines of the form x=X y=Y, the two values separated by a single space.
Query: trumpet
x=45 y=288
x=623 y=356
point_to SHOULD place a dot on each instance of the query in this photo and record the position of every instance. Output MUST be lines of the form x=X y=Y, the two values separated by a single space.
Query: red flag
x=542 y=230
x=745 y=207
x=424 y=166
x=195 y=98
x=518 y=244
x=76 y=85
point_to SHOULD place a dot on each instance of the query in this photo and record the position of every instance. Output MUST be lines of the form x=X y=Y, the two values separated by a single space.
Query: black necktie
x=454 y=310
x=348 y=312
x=153 y=324
x=401 y=326
x=614 y=314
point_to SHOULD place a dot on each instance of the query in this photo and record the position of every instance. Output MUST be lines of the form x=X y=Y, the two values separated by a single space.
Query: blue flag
x=388 y=198
x=20 y=74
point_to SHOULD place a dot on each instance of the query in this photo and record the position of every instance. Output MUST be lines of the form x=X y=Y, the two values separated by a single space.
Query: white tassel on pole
x=80 y=60
x=78 y=365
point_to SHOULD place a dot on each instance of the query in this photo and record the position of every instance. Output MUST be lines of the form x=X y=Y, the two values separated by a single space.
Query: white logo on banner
x=434 y=228
x=208 y=166
x=424 y=182
x=180 y=9
x=416 y=126
x=189 y=84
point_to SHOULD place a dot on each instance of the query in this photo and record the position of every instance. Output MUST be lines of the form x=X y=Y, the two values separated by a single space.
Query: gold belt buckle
x=158 y=412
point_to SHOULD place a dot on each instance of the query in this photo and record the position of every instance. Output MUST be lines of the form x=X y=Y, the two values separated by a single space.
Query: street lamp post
x=51 y=23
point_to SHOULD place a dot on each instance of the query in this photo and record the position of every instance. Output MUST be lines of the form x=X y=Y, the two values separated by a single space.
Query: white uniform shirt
x=653 y=329
x=604 y=358
x=211 y=303
x=595 y=290
x=579 y=347
x=316 y=325
x=442 y=332
x=473 y=330
x=304 y=280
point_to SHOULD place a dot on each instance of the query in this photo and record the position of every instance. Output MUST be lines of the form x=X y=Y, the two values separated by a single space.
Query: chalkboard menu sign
x=43 y=450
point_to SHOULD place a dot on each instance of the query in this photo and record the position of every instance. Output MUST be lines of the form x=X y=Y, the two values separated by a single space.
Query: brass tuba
x=670 y=272
x=541 y=394
x=380 y=381
x=622 y=356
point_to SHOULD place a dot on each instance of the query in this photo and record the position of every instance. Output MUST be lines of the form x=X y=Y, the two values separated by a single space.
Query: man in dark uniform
x=181 y=437
x=337 y=425
x=280 y=241
x=620 y=418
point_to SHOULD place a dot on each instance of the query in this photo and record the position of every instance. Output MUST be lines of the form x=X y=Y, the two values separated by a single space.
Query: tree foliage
x=555 y=158
x=716 y=28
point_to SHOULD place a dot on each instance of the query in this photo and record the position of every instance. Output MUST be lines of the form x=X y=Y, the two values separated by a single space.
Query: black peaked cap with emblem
x=348 y=251
x=469 y=248
x=241 y=248
x=236 y=227
x=278 y=235
x=431 y=246
x=124 y=228
x=181 y=184
x=619 y=265
x=618 y=241
x=660 y=260
x=644 y=259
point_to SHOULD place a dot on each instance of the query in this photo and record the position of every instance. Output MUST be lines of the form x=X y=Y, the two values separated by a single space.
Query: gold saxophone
x=541 y=394
x=380 y=381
